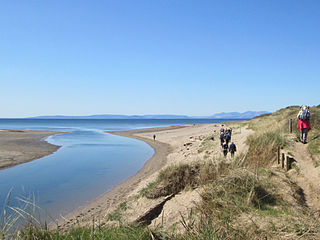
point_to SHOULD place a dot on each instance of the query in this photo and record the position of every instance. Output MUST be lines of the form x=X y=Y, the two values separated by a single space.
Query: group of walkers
x=225 y=138
x=303 y=125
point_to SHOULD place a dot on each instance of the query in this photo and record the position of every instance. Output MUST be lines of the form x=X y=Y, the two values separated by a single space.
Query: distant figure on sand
x=225 y=149
x=154 y=137
x=303 y=124
x=232 y=149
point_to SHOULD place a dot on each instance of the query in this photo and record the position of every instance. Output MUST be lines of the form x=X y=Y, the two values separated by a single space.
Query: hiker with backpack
x=227 y=137
x=229 y=131
x=303 y=124
x=232 y=149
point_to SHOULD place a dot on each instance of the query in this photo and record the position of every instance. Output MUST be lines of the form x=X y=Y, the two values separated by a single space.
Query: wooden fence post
x=287 y=163
x=290 y=125
x=282 y=160
x=278 y=155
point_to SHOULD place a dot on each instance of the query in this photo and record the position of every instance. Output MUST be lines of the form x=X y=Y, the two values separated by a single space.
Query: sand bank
x=21 y=146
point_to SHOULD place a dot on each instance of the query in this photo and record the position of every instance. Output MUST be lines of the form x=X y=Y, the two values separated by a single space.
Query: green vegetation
x=116 y=215
x=111 y=233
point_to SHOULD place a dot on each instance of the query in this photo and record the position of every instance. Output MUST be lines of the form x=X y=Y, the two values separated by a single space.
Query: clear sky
x=157 y=56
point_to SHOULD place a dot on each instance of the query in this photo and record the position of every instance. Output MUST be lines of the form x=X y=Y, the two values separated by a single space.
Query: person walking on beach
x=221 y=138
x=154 y=137
x=232 y=149
x=227 y=137
x=230 y=132
x=303 y=124
x=225 y=149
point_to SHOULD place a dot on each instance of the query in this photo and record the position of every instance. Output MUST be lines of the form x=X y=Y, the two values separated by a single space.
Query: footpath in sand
x=307 y=174
x=21 y=146
x=173 y=145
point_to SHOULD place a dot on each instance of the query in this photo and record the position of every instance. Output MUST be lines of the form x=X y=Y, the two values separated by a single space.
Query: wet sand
x=21 y=146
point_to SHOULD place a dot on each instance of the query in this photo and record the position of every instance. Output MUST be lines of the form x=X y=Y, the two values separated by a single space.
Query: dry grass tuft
x=176 y=178
x=173 y=180
x=263 y=148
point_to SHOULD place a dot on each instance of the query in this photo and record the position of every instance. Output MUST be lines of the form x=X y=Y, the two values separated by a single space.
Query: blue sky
x=157 y=57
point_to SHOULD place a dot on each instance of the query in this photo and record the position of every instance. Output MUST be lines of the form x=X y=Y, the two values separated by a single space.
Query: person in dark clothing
x=232 y=149
x=229 y=131
x=221 y=138
x=154 y=137
x=225 y=149
x=227 y=137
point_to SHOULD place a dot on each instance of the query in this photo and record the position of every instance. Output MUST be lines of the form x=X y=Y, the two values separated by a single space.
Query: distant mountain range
x=237 y=115
x=223 y=115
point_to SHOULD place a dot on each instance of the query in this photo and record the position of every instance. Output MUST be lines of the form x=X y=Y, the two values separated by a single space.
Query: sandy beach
x=21 y=146
x=173 y=145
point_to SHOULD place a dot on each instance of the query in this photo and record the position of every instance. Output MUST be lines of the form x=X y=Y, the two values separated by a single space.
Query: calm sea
x=89 y=163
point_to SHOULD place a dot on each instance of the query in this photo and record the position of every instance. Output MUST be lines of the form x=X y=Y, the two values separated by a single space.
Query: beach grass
x=176 y=178
x=117 y=214
x=263 y=147
x=86 y=233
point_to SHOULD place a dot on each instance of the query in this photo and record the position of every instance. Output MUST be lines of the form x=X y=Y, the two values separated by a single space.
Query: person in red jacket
x=303 y=124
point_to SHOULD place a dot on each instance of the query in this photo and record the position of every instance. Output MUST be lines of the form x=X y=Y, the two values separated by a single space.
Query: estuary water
x=89 y=163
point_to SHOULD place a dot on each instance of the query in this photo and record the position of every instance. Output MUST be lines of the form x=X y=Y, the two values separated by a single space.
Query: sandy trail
x=308 y=175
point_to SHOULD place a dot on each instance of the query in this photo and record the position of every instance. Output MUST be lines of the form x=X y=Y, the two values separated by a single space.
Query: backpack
x=304 y=116
x=227 y=137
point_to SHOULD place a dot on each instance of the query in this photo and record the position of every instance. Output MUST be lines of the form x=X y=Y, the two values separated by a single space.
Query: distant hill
x=237 y=115
x=229 y=115
x=111 y=116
